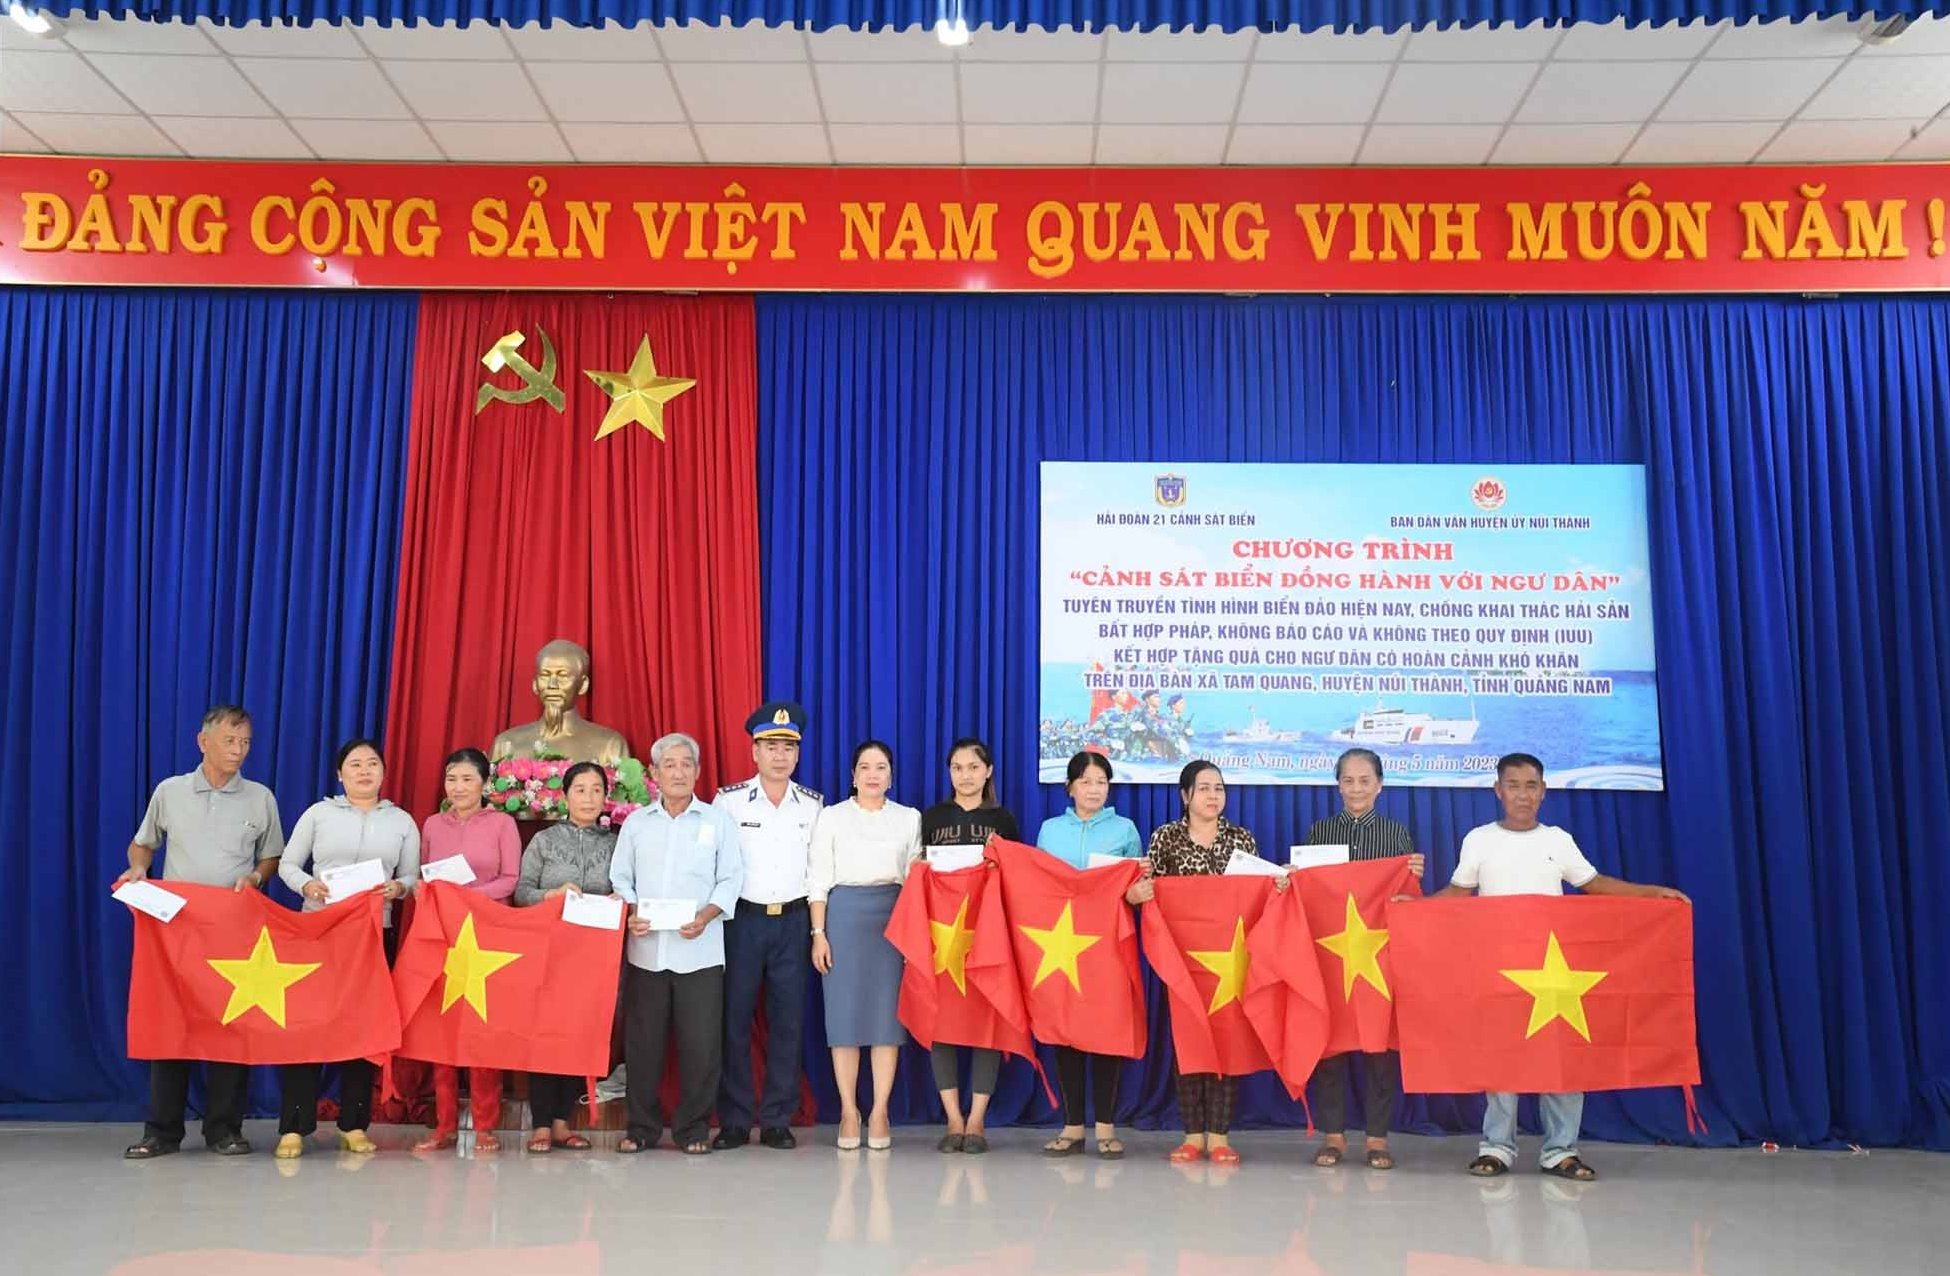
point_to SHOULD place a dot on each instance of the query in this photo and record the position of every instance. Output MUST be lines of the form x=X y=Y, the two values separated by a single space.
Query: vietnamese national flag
x=1347 y=911
x=1076 y=946
x=959 y=985
x=1545 y=993
x=236 y=978
x=1226 y=990
x=483 y=985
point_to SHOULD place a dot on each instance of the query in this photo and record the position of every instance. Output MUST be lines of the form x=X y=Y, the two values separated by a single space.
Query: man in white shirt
x=768 y=945
x=1519 y=856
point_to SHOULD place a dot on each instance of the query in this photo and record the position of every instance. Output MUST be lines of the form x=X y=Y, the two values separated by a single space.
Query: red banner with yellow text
x=1792 y=228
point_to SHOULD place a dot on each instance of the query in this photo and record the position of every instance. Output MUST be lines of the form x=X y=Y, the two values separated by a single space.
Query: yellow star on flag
x=467 y=970
x=1358 y=947
x=259 y=980
x=1230 y=965
x=952 y=943
x=1061 y=947
x=1558 y=991
x=638 y=395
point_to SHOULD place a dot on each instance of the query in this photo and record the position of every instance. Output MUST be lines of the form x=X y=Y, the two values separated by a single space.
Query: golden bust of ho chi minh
x=561 y=678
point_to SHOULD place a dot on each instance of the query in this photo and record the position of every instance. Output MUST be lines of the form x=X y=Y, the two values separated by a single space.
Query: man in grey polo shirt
x=222 y=830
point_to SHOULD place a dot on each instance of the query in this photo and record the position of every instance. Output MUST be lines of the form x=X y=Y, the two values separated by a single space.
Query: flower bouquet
x=532 y=789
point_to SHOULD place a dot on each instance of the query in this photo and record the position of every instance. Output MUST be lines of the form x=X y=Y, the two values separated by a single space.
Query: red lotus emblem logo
x=1489 y=493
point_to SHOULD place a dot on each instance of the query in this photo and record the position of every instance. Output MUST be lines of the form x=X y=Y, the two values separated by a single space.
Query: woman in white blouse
x=861 y=851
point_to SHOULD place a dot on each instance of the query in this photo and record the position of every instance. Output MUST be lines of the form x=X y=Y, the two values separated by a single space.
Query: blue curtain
x=199 y=502
x=882 y=15
x=1798 y=461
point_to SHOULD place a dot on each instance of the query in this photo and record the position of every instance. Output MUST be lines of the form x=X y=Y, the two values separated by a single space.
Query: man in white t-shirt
x=1518 y=856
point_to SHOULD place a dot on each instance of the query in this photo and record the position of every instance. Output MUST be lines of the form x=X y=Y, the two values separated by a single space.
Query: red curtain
x=521 y=526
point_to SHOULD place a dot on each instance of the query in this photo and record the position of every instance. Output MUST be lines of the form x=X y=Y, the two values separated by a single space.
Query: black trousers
x=664 y=1006
x=983 y=1065
x=1380 y=1092
x=1103 y=1070
x=169 y=1093
x=551 y=1098
x=771 y=955
x=298 y=1096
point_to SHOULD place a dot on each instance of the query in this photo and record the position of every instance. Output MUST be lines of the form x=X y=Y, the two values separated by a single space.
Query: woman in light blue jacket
x=1089 y=827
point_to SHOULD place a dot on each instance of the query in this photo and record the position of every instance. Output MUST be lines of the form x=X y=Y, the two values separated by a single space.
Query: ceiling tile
x=990 y=45
x=275 y=40
x=1287 y=93
x=98 y=134
x=841 y=45
x=436 y=42
x=1580 y=92
x=895 y=144
x=1453 y=93
x=1884 y=89
x=764 y=144
x=1843 y=141
x=1159 y=93
x=1615 y=42
x=869 y=93
x=1161 y=143
x=368 y=139
x=1211 y=45
x=755 y=42
x=1563 y=143
x=1699 y=143
x=56 y=81
x=16 y=138
x=748 y=93
x=233 y=139
x=618 y=91
x=469 y=91
x=467 y=141
x=1503 y=42
x=1746 y=90
x=109 y=35
x=1279 y=144
x=608 y=43
x=181 y=86
x=1925 y=35
x=1813 y=38
x=1026 y=143
x=325 y=89
x=1448 y=144
x=632 y=143
x=1933 y=143
x=1329 y=46
x=1020 y=94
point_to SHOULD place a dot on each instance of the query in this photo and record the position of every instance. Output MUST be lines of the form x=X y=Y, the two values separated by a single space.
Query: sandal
x=697 y=1147
x=1488 y=1167
x=629 y=1146
x=148 y=1150
x=1329 y=1156
x=1380 y=1159
x=1186 y=1153
x=574 y=1143
x=540 y=1142
x=487 y=1141
x=438 y=1141
x=1064 y=1145
x=1224 y=1156
x=1111 y=1149
x=1572 y=1168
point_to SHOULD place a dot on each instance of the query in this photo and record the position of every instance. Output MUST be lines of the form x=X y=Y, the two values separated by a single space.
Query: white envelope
x=343 y=881
x=1099 y=860
x=1244 y=865
x=1318 y=856
x=454 y=868
x=597 y=912
x=147 y=897
x=946 y=859
x=667 y=914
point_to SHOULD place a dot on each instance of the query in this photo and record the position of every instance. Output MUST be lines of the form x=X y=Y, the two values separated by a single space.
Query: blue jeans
x=1563 y=1114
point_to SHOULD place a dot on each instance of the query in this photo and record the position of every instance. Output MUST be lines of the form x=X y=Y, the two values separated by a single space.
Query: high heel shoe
x=879 y=1142
x=847 y=1142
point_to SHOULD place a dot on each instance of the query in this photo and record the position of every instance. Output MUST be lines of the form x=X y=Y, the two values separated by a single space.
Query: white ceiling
x=1705 y=93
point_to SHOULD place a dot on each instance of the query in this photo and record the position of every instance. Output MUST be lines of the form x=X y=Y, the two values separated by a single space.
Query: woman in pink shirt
x=491 y=845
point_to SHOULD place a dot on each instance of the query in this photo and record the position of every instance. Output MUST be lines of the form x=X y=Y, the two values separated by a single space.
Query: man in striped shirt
x=1368 y=835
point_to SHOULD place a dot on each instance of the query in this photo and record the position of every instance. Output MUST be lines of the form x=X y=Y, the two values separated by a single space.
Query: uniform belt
x=777 y=910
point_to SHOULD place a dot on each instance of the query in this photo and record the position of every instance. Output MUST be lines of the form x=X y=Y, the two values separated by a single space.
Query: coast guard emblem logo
x=1170 y=490
x=1489 y=493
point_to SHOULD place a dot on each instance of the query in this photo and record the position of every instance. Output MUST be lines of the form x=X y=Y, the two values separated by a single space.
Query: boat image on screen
x=1382 y=725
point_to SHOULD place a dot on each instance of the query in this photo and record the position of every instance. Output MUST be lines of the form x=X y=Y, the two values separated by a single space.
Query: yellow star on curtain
x=639 y=394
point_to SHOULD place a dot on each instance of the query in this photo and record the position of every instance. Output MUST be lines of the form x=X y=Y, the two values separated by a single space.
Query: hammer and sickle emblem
x=535 y=383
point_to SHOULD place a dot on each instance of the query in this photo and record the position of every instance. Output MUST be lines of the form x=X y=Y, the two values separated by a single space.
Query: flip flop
x=1224 y=1156
x=1380 y=1159
x=1572 y=1168
x=1063 y=1145
x=1328 y=1156
x=1488 y=1167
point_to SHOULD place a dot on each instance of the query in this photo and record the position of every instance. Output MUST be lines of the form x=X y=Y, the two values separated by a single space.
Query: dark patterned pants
x=1205 y=1102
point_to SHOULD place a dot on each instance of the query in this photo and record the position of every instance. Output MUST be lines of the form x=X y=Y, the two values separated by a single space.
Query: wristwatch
x=819 y=930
